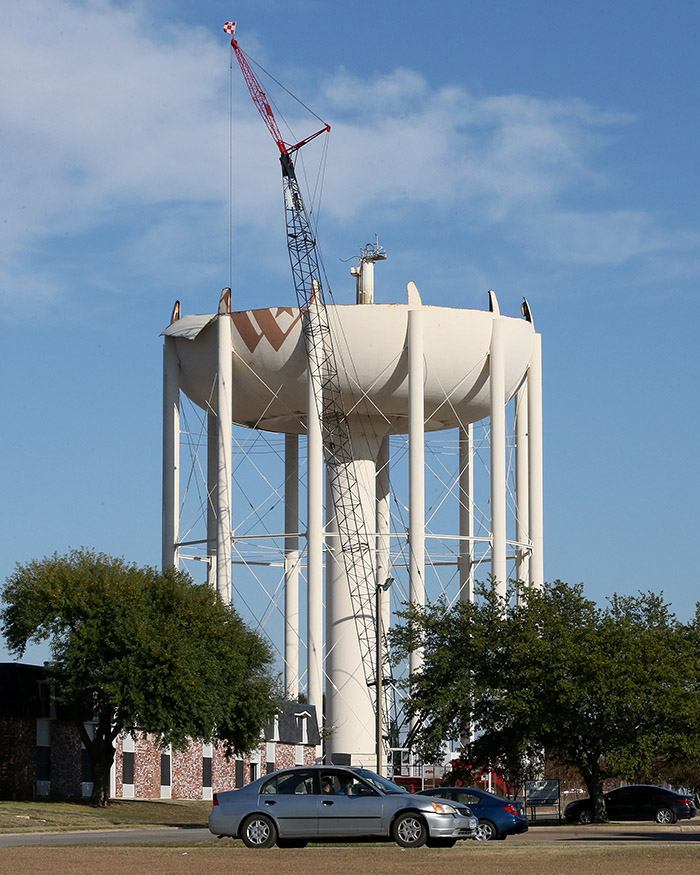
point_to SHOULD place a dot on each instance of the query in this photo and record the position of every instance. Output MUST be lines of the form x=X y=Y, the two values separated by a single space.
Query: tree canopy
x=140 y=651
x=610 y=690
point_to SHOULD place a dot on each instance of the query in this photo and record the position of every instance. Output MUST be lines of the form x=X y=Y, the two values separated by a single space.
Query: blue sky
x=542 y=149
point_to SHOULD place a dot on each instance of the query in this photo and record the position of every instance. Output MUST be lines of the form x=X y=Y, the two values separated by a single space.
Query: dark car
x=326 y=803
x=498 y=817
x=636 y=802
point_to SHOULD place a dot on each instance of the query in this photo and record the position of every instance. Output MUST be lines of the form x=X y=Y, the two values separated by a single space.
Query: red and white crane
x=355 y=536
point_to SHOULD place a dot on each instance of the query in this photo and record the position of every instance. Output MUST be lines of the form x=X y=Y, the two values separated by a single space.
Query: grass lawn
x=472 y=858
x=63 y=816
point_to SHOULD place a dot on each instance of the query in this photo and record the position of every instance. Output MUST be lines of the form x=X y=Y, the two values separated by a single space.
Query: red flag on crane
x=230 y=27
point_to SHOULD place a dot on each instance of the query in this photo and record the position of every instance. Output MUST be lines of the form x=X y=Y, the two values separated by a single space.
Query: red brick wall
x=223 y=770
x=186 y=768
x=17 y=757
x=285 y=756
x=18 y=763
x=118 y=760
x=309 y=755
x=186 y=771
x=146 y=768
x=66 y=763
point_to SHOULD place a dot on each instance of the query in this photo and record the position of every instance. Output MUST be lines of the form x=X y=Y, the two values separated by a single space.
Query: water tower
x=407 y=370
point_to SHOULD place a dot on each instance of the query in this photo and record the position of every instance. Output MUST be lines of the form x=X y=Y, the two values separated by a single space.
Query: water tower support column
x=536 y=491
x=224 y=380
x=416 y=461
x=291 y=566
x=499 y=568
x=350 y=709
x=212 y=493
x=522 y=485
x=171 y=454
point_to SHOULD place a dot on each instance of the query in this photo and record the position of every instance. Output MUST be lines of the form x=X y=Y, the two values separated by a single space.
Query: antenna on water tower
x=364 y=273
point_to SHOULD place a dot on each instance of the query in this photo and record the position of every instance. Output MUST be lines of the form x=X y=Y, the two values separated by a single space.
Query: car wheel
x=585 y=816
x=258 y=831
x=665 y=815
x=486 y=831
x=409 y=830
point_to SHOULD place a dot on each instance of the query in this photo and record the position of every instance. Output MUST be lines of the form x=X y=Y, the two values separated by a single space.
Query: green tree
x=607 y=690
x=140 y=651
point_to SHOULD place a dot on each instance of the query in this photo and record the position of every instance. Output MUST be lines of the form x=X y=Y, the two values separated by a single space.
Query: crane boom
x=263 y=106
x=353 y=533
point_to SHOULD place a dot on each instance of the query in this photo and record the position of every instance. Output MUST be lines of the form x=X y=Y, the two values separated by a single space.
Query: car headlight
x=443 y=808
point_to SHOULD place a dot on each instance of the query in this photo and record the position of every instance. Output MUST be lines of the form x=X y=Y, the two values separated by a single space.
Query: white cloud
x=118 y=125
x=603 y=238
x=514 y=162
x=108 y=117
x=493 y=154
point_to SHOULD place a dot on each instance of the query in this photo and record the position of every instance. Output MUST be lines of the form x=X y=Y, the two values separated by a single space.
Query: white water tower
x=407 y=370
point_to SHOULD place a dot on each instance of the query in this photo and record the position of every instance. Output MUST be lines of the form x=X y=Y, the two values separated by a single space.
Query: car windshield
x=383 y=784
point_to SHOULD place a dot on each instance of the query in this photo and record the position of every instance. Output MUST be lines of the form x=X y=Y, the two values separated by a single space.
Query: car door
x=620 y=804
x=646 y=802
x=348 y=806
x=291 y=799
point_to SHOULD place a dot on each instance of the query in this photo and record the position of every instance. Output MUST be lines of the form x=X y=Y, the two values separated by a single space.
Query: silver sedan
x=323 y=803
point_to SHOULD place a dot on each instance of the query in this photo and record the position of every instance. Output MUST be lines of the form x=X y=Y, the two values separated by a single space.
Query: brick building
x=41 y=753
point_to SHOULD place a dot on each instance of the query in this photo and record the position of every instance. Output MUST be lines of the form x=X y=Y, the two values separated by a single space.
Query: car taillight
x=687 y=802
x=215 y=799
x=511 y=809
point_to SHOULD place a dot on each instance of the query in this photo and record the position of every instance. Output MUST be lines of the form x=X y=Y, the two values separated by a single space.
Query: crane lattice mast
x=354 y=535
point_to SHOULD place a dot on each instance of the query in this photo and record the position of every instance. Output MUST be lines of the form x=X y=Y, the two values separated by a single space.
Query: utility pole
x=379 y=590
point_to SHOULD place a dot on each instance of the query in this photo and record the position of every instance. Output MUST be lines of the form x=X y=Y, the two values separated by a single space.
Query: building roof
x=27 y=691
x=290 y=727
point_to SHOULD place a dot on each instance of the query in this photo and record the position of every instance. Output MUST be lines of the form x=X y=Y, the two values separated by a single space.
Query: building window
x=302 y=727
x=239 y=773
x=165 y=770
x=128 y=767
x=45 y=699
x=43 y=753
x=43 y=732
x=43 y=763
x=254 y=771
x=206 y=772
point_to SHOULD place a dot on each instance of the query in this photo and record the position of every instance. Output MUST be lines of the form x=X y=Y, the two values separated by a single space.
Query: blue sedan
x=498 y=817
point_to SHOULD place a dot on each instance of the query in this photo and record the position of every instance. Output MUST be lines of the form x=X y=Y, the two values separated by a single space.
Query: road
x=613 y=833
x=617 y=833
